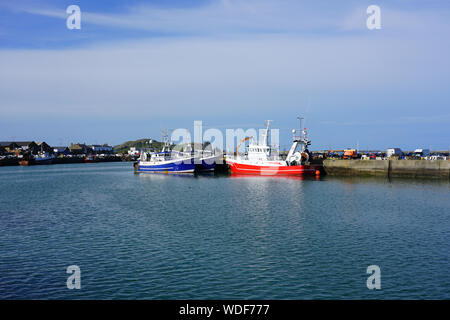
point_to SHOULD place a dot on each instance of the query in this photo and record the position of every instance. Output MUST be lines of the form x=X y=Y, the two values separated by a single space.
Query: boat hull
x=185 y=166
x=208 y=164
x=270 y=170
x=26 y=162
x=43 y=161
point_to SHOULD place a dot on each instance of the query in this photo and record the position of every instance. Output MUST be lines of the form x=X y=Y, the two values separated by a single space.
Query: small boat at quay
x=259 y=159
x=43 y=158
x=178 y=161
x=26 y=160
x=166 y=161
x=25 y=163
x=89 y=159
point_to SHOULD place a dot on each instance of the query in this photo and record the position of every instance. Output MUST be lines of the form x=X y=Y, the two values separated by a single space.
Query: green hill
x=140 y=144
x=143 y=144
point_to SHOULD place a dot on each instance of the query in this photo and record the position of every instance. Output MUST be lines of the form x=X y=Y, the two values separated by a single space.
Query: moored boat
x=43 y=158
x=260 y=159
x=166 y=161
x=8 y=161
x=89 y=159
x=25 y=162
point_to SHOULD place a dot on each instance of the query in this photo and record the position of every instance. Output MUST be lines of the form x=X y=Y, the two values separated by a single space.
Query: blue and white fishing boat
x=166 y=161
x=43 y=158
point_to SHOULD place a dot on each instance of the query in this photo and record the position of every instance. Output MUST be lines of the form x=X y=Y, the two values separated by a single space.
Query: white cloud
x=217 y=16
x=230 y=72
x=190 y=76
x=267 y=16
x=226 y=16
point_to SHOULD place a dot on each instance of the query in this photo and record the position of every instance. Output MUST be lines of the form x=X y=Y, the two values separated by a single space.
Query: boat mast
x=165 y=137
x=301 y=130
x=266 y=133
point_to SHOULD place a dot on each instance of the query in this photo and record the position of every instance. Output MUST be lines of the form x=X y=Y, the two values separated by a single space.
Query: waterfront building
x=20 y=146
x=79 y=148
x=44 y=147
x=97 y=148
x=134 y=151
x=9 y=146
x=61 y=150
x=29 y=146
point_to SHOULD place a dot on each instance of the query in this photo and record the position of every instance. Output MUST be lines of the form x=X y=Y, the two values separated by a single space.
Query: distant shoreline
x=15 y=161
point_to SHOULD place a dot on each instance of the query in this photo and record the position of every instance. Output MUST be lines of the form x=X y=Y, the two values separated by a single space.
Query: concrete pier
x=389 y=168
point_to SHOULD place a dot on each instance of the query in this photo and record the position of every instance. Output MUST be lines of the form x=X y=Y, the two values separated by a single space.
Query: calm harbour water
x=153 y=236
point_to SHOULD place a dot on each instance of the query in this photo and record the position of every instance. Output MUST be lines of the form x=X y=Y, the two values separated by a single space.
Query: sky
x=137 y=67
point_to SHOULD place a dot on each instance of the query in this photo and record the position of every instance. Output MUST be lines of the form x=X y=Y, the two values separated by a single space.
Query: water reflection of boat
x=290 y=177
x=161 y=177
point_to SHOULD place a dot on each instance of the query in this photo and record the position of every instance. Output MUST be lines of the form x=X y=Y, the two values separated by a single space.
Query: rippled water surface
x=183 y=237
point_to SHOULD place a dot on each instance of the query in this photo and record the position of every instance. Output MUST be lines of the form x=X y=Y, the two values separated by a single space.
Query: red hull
x=271 y=170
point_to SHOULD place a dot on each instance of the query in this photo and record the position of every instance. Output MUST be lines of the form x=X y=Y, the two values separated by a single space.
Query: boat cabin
x=156 y=156
x=258 y=152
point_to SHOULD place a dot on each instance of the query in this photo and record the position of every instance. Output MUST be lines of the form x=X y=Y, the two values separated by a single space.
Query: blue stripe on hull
x=168 y=167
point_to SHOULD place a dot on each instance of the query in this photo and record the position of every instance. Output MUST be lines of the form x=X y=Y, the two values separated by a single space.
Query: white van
x=393 y=152
x=422 y=152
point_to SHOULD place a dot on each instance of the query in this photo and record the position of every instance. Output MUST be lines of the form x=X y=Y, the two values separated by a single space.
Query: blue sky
x=136 y=67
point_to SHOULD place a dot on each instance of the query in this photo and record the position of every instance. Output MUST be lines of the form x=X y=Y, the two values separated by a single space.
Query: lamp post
x=301 y=130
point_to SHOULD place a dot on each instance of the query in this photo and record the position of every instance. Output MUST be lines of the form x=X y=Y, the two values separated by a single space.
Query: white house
x=96 y=148
x=134 y=151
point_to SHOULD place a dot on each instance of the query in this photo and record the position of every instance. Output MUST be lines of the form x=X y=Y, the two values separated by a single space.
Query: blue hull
x=186 y=166
x=46 y=161
x=208 y=164
x=205 y=166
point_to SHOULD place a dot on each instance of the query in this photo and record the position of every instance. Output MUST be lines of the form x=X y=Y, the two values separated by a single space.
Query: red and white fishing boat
x=259 y=159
